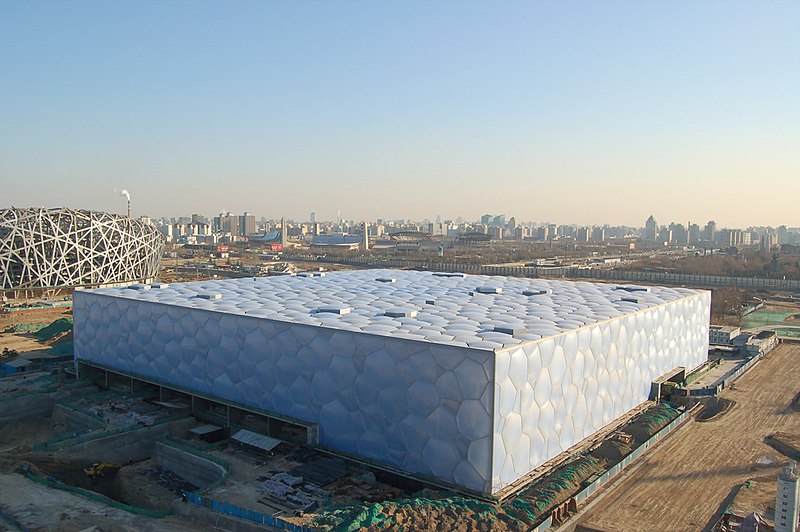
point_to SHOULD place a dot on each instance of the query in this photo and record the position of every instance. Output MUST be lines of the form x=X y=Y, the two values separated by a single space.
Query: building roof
x=18 y=363
x=484 y=312
x=336 y=240
x=724 y=328
x=766 y=334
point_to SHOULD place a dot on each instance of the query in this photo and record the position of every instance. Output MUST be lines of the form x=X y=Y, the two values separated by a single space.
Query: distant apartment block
x=722 y=335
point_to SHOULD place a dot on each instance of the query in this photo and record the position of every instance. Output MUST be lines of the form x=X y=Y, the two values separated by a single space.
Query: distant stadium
x=57 y=248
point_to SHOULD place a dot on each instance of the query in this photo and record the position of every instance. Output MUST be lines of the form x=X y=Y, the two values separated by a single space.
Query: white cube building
x=472 y=380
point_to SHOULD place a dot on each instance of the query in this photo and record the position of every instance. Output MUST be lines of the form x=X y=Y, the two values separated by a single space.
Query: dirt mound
x=611 y=451
x=793 y=317
x=715 y=409
x=643 y=426
x=420 y=513
x=53 y=331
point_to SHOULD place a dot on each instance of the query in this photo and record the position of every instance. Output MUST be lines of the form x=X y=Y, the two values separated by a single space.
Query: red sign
x=276 y=247
x=222 y=249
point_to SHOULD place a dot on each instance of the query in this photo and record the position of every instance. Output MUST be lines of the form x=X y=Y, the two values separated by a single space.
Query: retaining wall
x=120 y=448
x=35 y=404
x=75 y=420
x=191 y=467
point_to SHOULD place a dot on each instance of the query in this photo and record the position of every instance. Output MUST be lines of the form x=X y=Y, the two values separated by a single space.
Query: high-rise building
x=694 y=233
x=710 y=232
x=247 y=224
x=787 y=501
x=650 y=229
x=599 y=234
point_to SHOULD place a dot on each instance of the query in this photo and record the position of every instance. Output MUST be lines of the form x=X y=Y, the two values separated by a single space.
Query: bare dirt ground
x=24 y=343
x=21 y=434
x=687 y=483
x=46 y=509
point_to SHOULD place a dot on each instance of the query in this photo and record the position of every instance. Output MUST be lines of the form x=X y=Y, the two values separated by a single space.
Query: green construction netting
x=655 y=418
x=27 y=327
x=361 y=516
x=535 y=500
x=58 y=327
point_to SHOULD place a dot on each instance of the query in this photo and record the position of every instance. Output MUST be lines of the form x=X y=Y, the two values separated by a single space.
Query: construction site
x=107 y=450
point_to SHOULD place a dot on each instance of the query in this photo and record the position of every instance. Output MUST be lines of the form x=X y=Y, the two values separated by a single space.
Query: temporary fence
x=753 y=308
x=616 y=469
x=615 y=274
x=741 y=371
x=534 y=502
x=242 y=513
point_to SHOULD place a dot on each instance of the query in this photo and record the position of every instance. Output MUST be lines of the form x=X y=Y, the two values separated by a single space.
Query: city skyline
x=573 y=113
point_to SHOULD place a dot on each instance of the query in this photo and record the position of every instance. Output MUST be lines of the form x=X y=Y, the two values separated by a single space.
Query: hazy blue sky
x=571 y=112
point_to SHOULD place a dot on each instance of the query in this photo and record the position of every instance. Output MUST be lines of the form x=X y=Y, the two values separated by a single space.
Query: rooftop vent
x=489 y=289
x=386 y=280
x=138 y=286
x=513 y=330
x=311 y=274
x=632 y=288
x=160 y=285
x=334 y=309
x=446 y=274
x=401 y=313
x=430 y=302
x=632 y=299
x=537 y=292
x=209 y=296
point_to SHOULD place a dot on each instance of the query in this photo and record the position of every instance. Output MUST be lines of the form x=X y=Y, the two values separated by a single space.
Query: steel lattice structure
x=43 y=248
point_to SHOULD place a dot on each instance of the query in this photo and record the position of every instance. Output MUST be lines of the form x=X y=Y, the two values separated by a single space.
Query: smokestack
x=127 y=195
x=283 y=233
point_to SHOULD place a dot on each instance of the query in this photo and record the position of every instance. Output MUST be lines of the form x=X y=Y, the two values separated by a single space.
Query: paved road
x=684 y=485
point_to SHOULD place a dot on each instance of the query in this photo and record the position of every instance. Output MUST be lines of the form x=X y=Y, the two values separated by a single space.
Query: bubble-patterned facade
x=472 y=380
x=48 y=248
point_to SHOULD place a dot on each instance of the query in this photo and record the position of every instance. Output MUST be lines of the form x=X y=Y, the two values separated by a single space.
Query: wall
x=120 y=448
x=190 y=467
x=74 y=420
x=36 y=404
x=12 y=409
x=395 y=401
x=615 y=274
x=551 y=394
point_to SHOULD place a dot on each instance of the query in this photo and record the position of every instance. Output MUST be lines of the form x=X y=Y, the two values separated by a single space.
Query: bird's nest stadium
x=43 y=249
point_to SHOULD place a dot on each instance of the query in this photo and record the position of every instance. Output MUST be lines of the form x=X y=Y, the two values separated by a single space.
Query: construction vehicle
x=100 y=470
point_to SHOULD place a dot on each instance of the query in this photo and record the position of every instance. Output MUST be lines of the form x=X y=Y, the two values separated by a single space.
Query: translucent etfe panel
x=360 y=301
x=551 y=394
x=416 y=405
